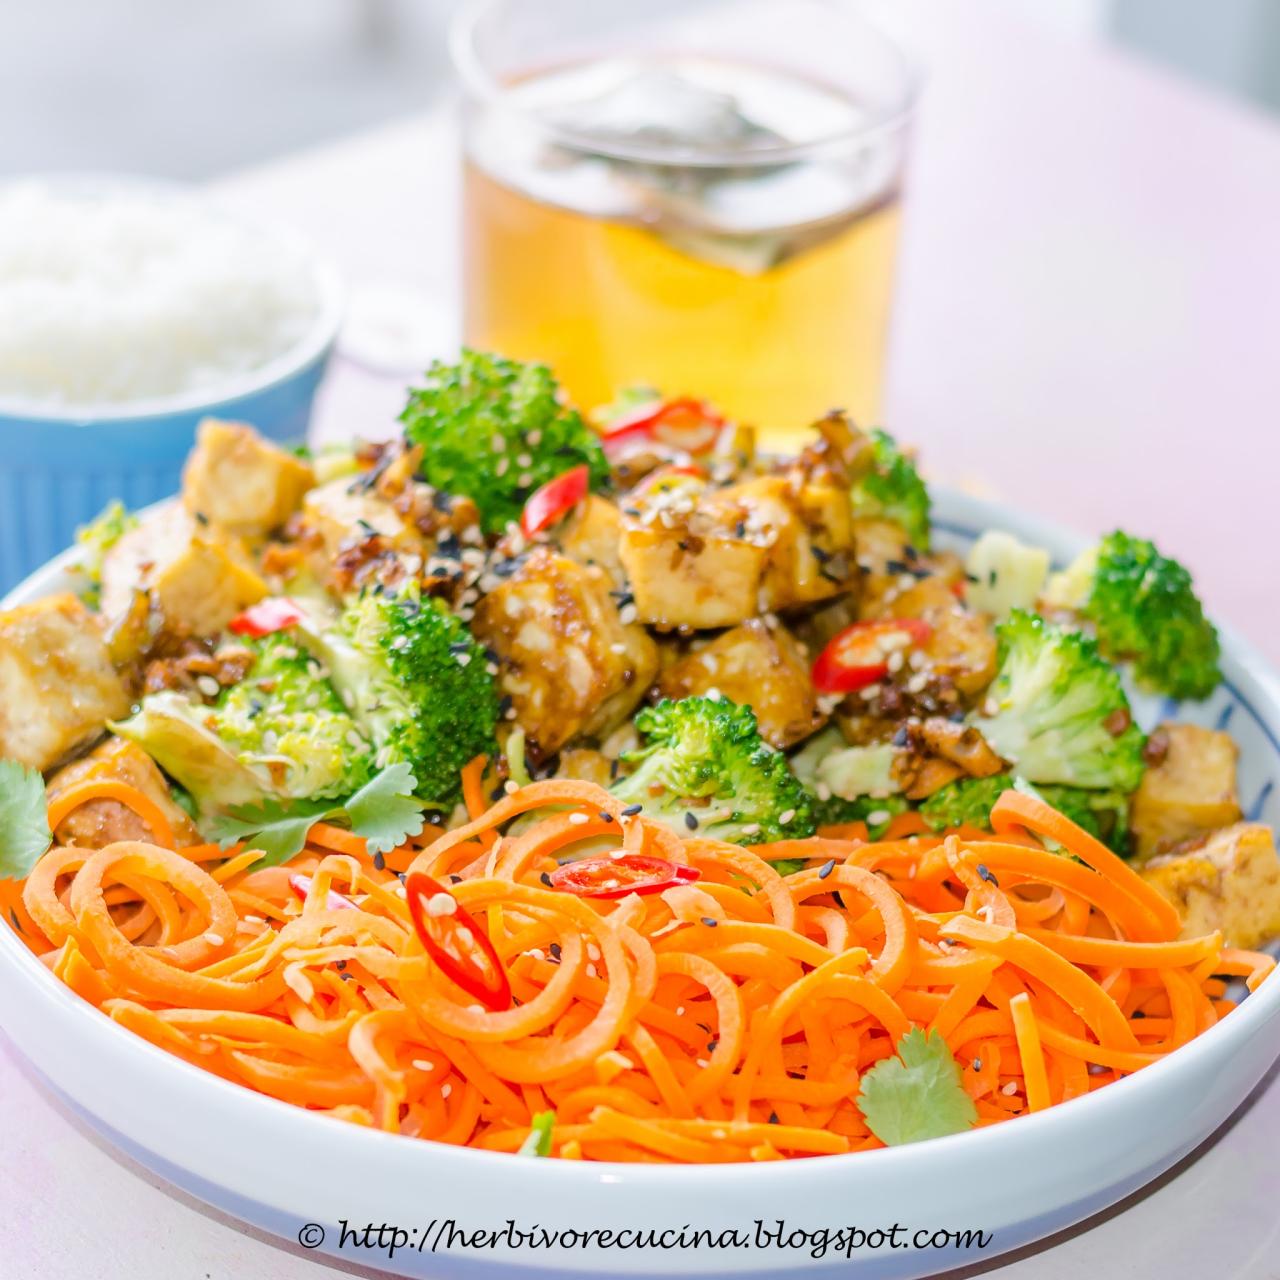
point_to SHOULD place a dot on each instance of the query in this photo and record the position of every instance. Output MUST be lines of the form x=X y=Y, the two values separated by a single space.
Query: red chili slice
x=858 y=655
x=301 y=886
x=452 y=938
x=267 y=617
x=616 y=877
x=685 y=423
x=554 y=500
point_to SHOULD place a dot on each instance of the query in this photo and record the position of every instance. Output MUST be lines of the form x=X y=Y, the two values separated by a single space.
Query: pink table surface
x=1086 y=325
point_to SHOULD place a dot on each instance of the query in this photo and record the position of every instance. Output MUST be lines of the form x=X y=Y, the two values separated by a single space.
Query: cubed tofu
x=242 y=482
x=591 y=536
x=756 y=665
x=707 y=558
x=344 y=512
x=806 y=527
x=57 y=685
x=961 y=645
x=1188 y=793
x=98 y=823
x=1230 y=882
x=570 y=665
x=198 y=577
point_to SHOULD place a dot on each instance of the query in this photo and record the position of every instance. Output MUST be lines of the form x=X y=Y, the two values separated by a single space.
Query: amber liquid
x=608 y=305
x=776 y=323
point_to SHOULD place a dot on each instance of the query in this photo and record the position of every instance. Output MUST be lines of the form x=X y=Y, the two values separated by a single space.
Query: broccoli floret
x=969 y=801
x=1057 y=710
x=495 y=430
x=1144 y=609
x=281 y=733
x=1103 y=814
x=704 y=767
x=416 y=682
x=877 y=813
x=830 y=768
x=966 y=802
x=892 y=489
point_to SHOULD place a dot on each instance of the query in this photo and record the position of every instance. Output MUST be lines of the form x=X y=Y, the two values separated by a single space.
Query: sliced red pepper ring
x=859 y=655
x=334 y=901
x=684 y=423
x=278 y=613
x=554 y=500
x=460 y=948
x=607 y=877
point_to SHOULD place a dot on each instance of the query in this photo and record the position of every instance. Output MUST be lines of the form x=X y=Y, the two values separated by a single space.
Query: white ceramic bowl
x=281 y=1169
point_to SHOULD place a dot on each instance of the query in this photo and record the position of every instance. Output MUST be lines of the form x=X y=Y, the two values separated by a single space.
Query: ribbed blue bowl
x=59 y=469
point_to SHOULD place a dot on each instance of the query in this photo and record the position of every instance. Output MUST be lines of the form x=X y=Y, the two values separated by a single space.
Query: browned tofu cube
x=242 y=482
x=569 y=663
x=1188 y=793
x=102 y=822
x=1231 y=882
x=57 y=685
x=591 y=536
x=758 y=666
x=198 y=577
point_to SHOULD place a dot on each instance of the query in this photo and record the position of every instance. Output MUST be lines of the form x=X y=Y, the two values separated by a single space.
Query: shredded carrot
x=73 y=797
x=724 y=1019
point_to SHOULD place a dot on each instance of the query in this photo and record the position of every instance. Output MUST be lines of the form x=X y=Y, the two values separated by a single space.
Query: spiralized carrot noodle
x=726 y=1018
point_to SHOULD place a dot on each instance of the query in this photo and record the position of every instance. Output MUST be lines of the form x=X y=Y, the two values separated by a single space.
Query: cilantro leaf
x=24 y=820
x=384 y=812
x=917 y=1094
x=538 y=1143
x=278 y=829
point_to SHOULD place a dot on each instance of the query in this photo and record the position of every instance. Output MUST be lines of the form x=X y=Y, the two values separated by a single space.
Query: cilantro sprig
x=384 y=812
x=24 y=820
x=917 y=1094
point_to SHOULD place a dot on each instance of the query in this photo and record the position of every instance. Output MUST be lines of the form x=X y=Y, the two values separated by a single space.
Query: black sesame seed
x=347 y=977
x=17 y=924
x=455 y=879
x=773 y=1118
x=835 y=893
x=896 y=566
x=987 y=874
x=379 y=862
x=711 y=1045
x=820 y=555
x=201 y=518
x=342 y=964
x=546 y=879
x=402 y=876
x=710 y=921
x=826 y=869
x=631 y=810
x=614 y=766
x=977 y=1064
x=605 y=817
x=690 y=821
x=910 y=552
x=498 y=792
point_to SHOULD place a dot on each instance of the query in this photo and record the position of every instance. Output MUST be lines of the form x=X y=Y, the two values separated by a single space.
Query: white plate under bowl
x=281 y=1168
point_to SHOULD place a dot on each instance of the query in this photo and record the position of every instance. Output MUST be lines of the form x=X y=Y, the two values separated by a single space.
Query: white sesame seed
x=502 y=467
x=441 y=904
x=423 y=1065
x=618 y=648
x=535 y=437
x=524 y=460
x=786 y=816
x=578 y=819
x=870 y=693
x=511 y=786
x=593 y=952
x=462 y=659
x=524 y=480
x=591 y=971
x=208 y=686
x=446 y=1090
x=1009 y=1089
x=714 y=694
x=214 y=939
x=628 y=614
x=537 y=953
x=498 y=443
x=751 y=829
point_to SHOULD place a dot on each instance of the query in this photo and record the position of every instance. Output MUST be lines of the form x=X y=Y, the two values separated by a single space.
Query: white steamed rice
x=127 y=294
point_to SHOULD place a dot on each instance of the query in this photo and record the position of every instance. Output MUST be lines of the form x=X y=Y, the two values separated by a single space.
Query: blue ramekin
x=58 y=470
